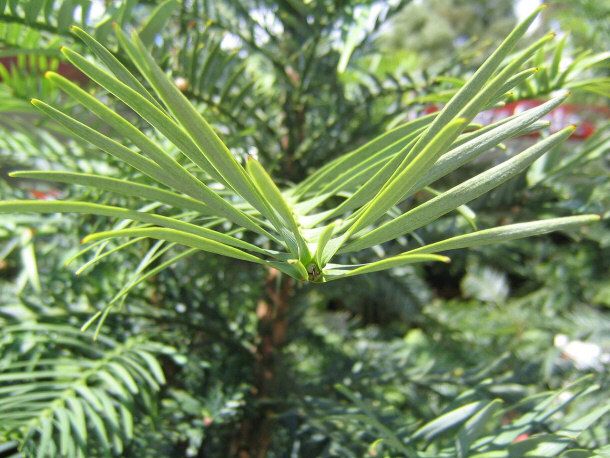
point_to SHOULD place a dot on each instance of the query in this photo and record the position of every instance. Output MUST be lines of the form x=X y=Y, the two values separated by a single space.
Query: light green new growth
x=300 y=233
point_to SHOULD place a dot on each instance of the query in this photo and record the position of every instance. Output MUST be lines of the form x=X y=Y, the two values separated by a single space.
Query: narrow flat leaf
x=113 y=384
x=481 y=143
x=371 y=188
x=140 y=278
x=508 y=232
x=65 y=15
x=365 y=168
x=325 y=236
x=28 y=258
x=153 y=365
x=491 y=89
x=284 y=216
x=123 y=375
x=125 y=187
x=472 y=88
x=209 y=144
x=106 y=210
x=196 y=189
x=579 y=454
x=156 y=21
x=475 y=426
x=77 y=419
x=464 y=210
x=567 y=435
x=448 y=420
x=397 y=187
x=180 y=237
x=31 y=9
x=126 y=420
x=384 y=264
x=65 y=436
x=87 y=395
x=371 y=418
x=349 y=160
x=113 y=64
x=126 y=130
x=45 y=446
x=139 y=372
x=515 y=81
x=98 y=427
x=149 y=111
x=112 y=419
x=458 y=195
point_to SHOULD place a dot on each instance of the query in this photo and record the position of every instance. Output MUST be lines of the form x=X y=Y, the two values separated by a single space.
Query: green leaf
x=113 y=64
x=153 y=365
x=371 y=187
x=126 y=421
x=557 y=56
x=470 y=95
x=106 y=210
x=475 y=426
x=493 y=87
x=180 y=237
x=98 y=427
x=149 y=112
x=384 y=264
x=65 y=438
x=45 y=445
x=399 y=185
x=547 y=404
x=350 y=160
x=210 y=145
x=448 y=420
x=123 y=375
x=111 y=417
x=192 y=186
x=515 y=81
x=120 y=186
x=31 y=9
x=77 y=418
x=86 y=394
x=173 y=169
x=283 y=216
x=65 y=16
x=370 y=418
x=508 y=232
x=138 y=371
x=464 y=210
x=551 y=446
x=140 y=278
x=486 y=139
x=325 y=236
x=208 y=63
x=578 y=454
x=157 y=20
x=28 y=258
x=373 y=172
x=459 y=195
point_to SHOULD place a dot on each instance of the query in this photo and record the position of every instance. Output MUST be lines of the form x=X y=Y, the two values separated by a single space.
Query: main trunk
x=272 y=312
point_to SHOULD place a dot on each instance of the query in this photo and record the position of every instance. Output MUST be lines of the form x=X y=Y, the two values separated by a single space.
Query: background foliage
x=430 y=360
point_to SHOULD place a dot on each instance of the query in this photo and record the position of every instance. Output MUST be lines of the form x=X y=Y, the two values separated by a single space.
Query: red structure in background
x=560 y=117
x=563 y=116
x=64 y=69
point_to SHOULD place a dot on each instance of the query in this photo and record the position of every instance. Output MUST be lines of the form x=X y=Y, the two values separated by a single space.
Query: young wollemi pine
x=301 y=233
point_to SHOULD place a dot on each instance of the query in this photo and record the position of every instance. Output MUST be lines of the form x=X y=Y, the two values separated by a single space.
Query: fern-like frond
x=63 y=394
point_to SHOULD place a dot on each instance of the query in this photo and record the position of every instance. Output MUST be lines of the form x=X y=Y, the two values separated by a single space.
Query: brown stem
x=272 y=312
